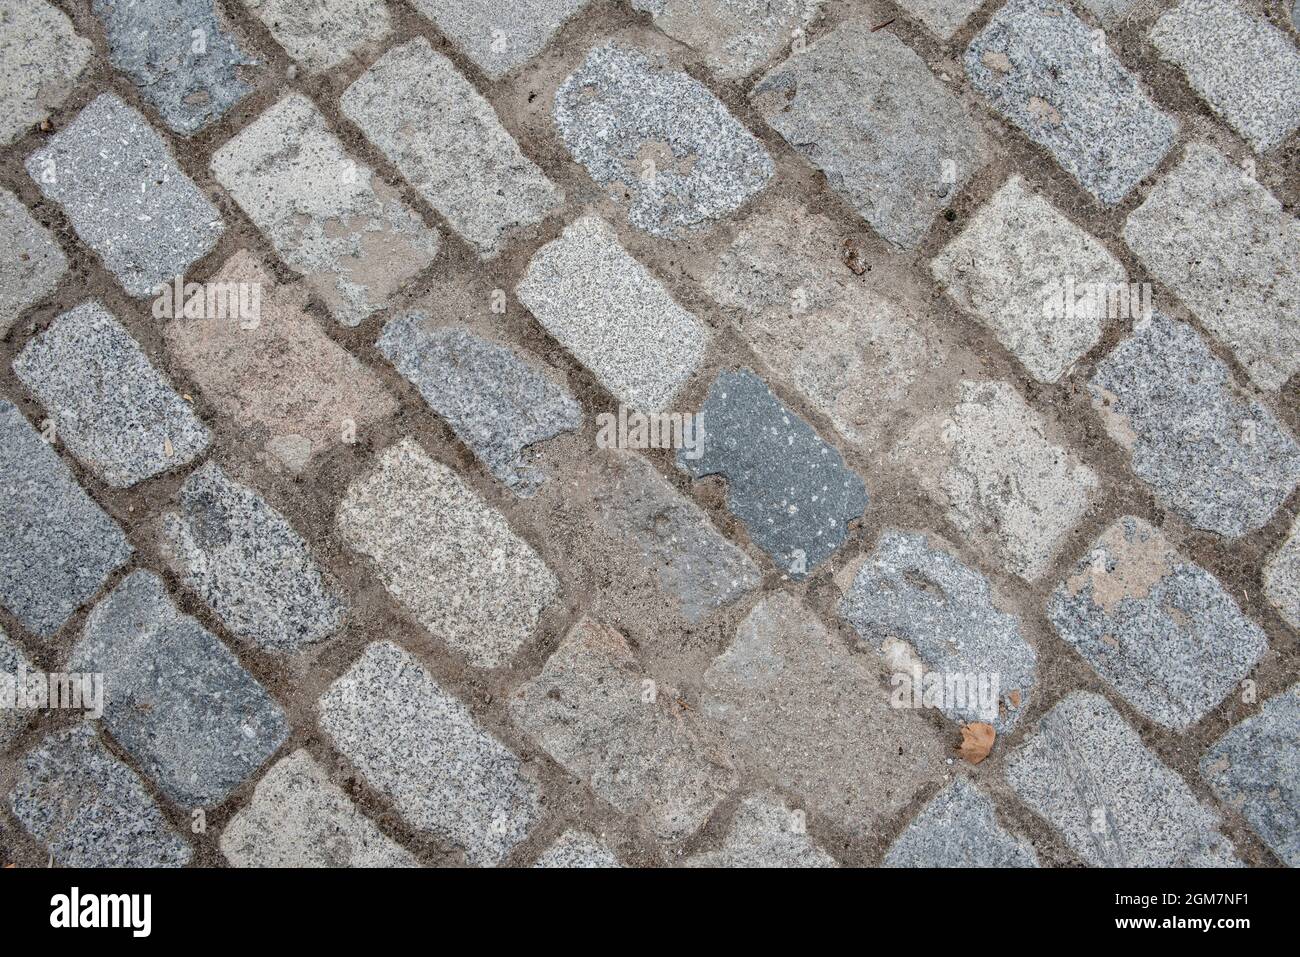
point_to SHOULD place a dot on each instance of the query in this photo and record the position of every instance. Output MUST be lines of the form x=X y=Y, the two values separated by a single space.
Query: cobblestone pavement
x=332 y=333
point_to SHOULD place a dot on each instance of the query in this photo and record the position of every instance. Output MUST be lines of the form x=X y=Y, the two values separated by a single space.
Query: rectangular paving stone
x=246 y=561
x=613 y=315
x=1089 y=774
x=447 y=555
x=41 y=58
x=942 y=17
x=959 y=828
x=323 y=34
x=31 y=262
x=459 y=157
x=13 y=665
x=890 y=138
x=175 y=697
x=499 y=37
x=659 y=141
x=113 y=410
x=89 y=809
x=329 y=217
x=736 y=37
x=1227 y=248
x=1157 y=627
x=590 y=710
x=424 y=751
x=574 y=850
x=56 y=545
x=765 y=833
x=1045 y=71
x=1211 y=453
x=127 y=199
x=1282 y=577
x=299 y=818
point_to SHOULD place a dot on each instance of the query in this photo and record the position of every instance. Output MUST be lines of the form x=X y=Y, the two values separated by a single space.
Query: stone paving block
x=89 y=808
x=56 y=545
x=942 y=17
x=1157 y=627
x=1000 y=479
x=613 y=315
x=175 y=697
x=1048 y=73
x=13 y=664
x=424 y=751
x=499 y=37
x=459 y=157
x=1012 y=269
x=959 y=828
x=447 y=555
x=246 y=561
x=808 y=715
x=867 y=111
x=928 y=612
x=41 y=58
x=113 y=410
x=659 y=140
x=496 y=402
x=596 y=712
x=736 y=37
x=765 y=833
x=1255 y=768
x=1246 y=69
x=120 y=186
x=329 y=216
x=1227 y=248
x=324 y=34
x=1212 y=454
x=1282 y=577
x=299 y=818
x=577 y=849
x=180 y=54
x=792 y=490
x=31 y=262
x=1089 y=774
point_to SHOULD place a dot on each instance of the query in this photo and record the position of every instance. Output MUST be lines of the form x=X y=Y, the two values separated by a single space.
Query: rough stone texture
x=765 y=833
x=867 y=111
x=90 y=809
x=246 y=561
x=1159 y=628
x=736 y=37
x=1040 y=67
x=113 y=410
x=126 y=197
x=1011 y=269
x=919 y=605
x=1243 y=66
x=1255 y=768
x=613 y=315
x=41 y=57
x=324 y=34
x=175 y=697
x=499 y=37
x=447 y=555
x=329 y=217
x=943 y=17
x=1091 y=776
x=1225 y=245
x=1282 y=577
x=999 y=477
x=660 y=140
x=422 y=748
x=496 y=402
x=12 y=663
x=959 y=829
x=1215 y=456
x=56 y=545
x=595 y=712
x=577 y=849
x=179 y=54
x=299 y=818
x=459 y=157
x=31 y=262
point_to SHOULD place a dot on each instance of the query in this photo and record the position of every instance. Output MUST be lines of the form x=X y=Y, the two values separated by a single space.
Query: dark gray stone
x=12 y=663
x=958 y=828
x=31 y=262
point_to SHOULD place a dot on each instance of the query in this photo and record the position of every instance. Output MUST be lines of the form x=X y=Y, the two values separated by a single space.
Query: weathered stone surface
x=56 y=545
x=41 y=57
x=499 y=37
x=1091 y=776
x=126 y=197
x=1225 y=245
x=659 y=139
x=299 y=818
x=597 y=713
x=1047 y=72
x=943 y=17
x=175 y=697
x=577 y=849
x=422 y=748
x=329 y=217
x=31 y=262
x=1282 y=577
x=765 y=833
x=736 y=37
x=13 y=664
x=459 y=157
x=323 y=34
x=1159 y=628
x=613 y=315
x=867 y=111
x=1215 y=456
x=498 y=404
x=447 y=555
x=958 y=828
x=112 y=409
